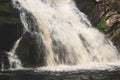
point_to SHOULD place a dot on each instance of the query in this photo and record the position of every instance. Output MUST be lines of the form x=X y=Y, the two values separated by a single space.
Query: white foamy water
x=89 y=67
x=13 y=58
x=67 y=34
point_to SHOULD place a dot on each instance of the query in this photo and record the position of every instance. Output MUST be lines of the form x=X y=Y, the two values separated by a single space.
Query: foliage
x=102 y=24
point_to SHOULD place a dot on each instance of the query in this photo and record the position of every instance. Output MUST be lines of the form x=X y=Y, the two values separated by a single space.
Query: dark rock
x=29 y=52
x=9 y=33
x=115 y=37
x=31 y=22
x=85 y=5
x=4 y=62
x=10 y=25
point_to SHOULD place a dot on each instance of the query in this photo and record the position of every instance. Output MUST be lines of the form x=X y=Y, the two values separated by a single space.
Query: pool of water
x=110 y=72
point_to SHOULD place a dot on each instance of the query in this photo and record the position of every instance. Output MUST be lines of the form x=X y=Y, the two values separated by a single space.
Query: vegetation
x=102 y=24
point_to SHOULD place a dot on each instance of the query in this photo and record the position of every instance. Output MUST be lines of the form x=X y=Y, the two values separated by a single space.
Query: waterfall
x=13 y=58
x=66 y=33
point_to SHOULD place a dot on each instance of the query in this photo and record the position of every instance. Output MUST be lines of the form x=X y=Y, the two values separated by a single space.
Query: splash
x=13 y=58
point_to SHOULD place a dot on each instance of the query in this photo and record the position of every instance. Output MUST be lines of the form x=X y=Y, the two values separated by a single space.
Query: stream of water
x=67 y=34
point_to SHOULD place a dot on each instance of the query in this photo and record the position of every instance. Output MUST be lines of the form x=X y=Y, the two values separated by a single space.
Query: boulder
x=29 y=52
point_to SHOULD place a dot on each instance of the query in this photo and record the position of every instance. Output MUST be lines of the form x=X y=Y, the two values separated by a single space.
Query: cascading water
x=13 y=58
x=66 y=33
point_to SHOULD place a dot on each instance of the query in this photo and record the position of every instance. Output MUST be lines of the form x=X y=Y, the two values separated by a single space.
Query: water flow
x=13 y=58
x=67 y=34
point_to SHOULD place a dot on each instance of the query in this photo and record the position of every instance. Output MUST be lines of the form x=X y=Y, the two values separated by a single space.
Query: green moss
x=102 y=24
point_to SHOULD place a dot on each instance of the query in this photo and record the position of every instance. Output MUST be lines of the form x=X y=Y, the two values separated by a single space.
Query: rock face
x=85 y=5
x=10 y=25
x=116 y=38
x=29 y=52
x=10 y=30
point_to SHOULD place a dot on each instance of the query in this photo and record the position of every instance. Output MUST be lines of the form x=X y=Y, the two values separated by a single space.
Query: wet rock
x=29 y=52
x=4 y=62
x=10 y=30
x=115 y=37
x=31 y=22
x=85 y=5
